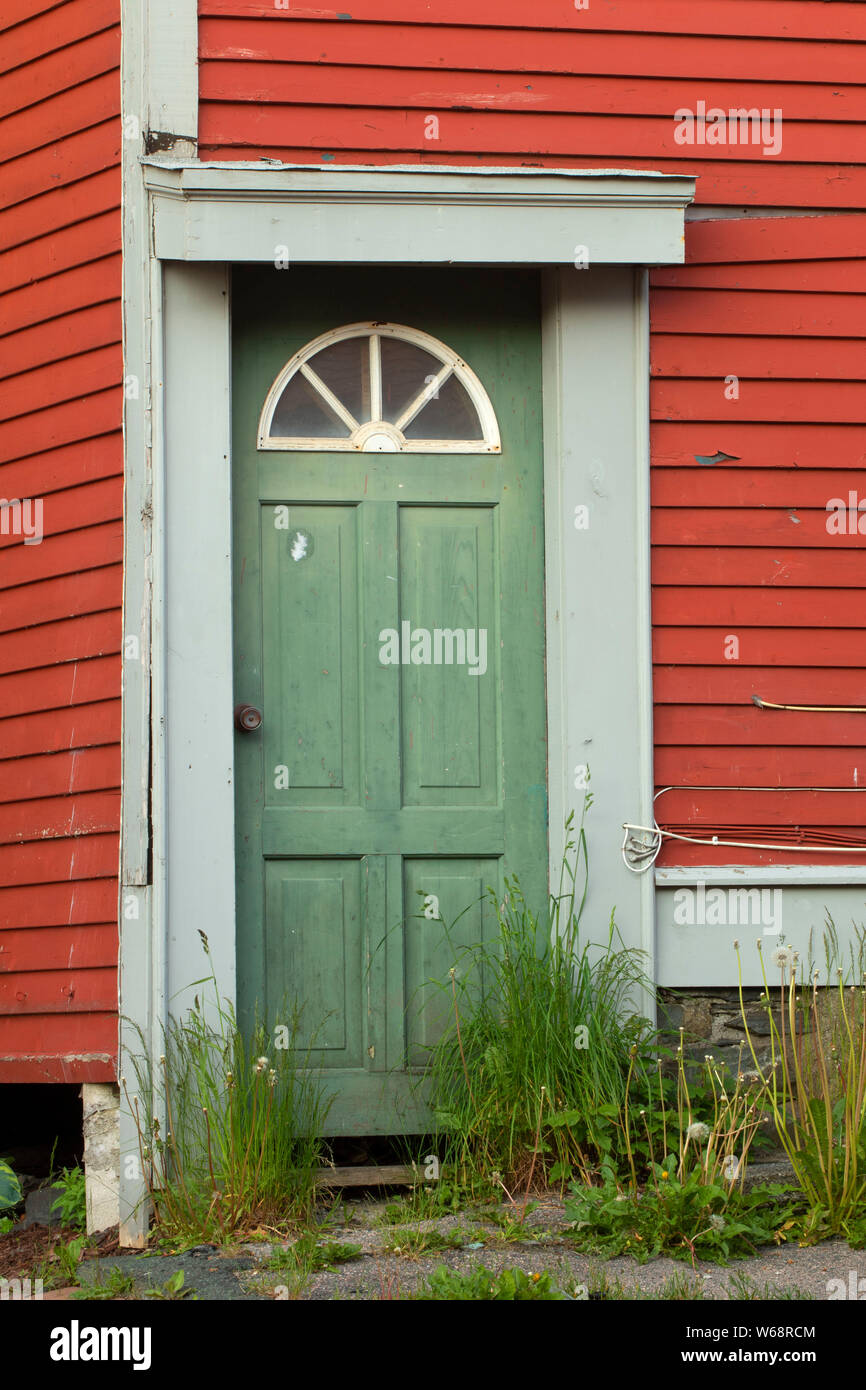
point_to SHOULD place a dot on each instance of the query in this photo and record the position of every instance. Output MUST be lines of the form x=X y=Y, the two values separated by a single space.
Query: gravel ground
x=380 y=1273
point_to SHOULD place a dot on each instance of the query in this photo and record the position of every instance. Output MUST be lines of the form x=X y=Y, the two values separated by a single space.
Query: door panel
x=310 y=655
x=447 y=586
x=389 y=622
x=458 y=889
x=312 y=950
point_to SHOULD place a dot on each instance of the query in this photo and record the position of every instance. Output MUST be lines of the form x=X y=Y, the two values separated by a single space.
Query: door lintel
x=495 y=216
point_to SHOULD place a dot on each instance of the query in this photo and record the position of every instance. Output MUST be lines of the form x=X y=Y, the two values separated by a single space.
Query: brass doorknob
x=247 y=718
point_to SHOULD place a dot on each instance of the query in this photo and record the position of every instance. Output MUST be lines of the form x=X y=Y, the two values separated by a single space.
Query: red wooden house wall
x=740 y=546
x=60 y=441
x=777 y=301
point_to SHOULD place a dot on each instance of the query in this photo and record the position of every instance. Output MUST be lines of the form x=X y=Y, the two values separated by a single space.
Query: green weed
x=174 y=1288
x=742 y=1286
x=444 y=1285
x=72 y=1201
x=417 y=1242
x=229 y=1127
x=69 y=1257
x=311 y=1254
x=686 y=1218
x=115 y=1284
x=540 y=1024
x=679 y=1288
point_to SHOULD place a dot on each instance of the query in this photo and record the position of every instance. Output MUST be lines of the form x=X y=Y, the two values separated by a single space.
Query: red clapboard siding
x=699 y=646
x=307 y=83
x=322 y=84
x=770 y=526
x=751 y=487
x=16 y=11
x=57 y=210
x=74 y=509
x=735 y=684
x=627 y=138
x=743 y=607
x=92 y=635
x=56 y=687
x=44 y=256
x=58 y=1047
x=84 y=460
x=49 y=731
x=67 y=160
x=762 y=767
x=718 y=565
x=765 y=400
x=45 y=122
x=57 y=72
x=82 y=375
x=58 y=991
x=60 y=555
x=60 y=774
x=58 y=905
x=60 y=620
x=68 y=596
x=53 y=861
x=89 y=813
x=814 y=276
x=825 y=809
x=97 y=282
x=774 y=240
x=62 y=424
x=742 y=547
x=777 y=445
x=58 y=948
x=757 y=314
x=789 y=359
x=60 y=27
x=277 y=37
x=796 y=19
x=749 y=725
x=94 y=327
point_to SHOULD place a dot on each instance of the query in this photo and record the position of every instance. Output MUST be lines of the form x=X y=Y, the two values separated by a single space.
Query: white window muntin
x=378 y=435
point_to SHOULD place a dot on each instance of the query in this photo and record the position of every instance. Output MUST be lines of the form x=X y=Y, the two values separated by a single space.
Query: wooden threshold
x=356 y=1175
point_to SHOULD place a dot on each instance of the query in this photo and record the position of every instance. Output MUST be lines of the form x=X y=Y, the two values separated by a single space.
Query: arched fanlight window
x=378 y=388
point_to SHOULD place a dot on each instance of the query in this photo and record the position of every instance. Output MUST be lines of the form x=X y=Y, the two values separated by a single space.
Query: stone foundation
x=101 y=1114
x=712 y=1023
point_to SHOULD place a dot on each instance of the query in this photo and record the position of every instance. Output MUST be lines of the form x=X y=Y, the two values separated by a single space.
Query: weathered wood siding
x=60 y=629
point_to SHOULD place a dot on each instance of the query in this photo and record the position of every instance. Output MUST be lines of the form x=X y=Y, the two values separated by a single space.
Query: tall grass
x=541 y=1023
x=815 y=1082
x=229 y=1126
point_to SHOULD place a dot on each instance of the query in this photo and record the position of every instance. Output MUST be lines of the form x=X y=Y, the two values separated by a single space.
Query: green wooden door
x=383 y=781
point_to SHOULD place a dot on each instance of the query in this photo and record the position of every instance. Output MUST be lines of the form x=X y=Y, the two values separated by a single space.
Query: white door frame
x=592 y=233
